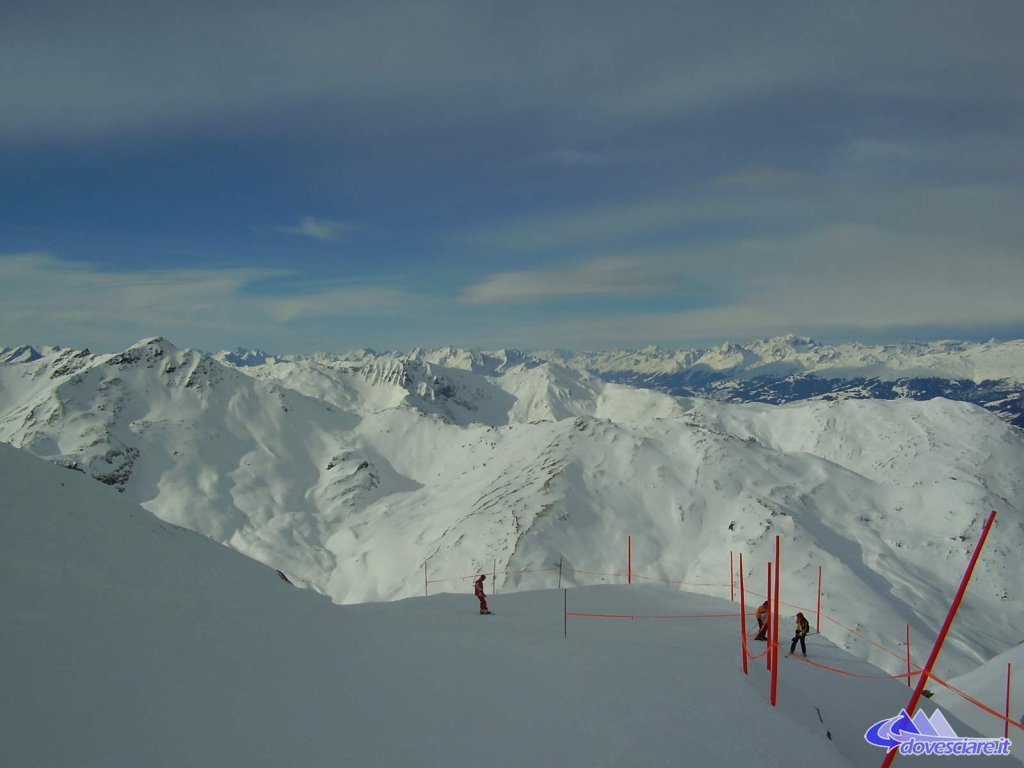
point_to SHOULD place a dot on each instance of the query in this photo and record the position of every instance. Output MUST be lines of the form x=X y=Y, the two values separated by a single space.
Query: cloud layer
x=577 y=174
x=109 y=67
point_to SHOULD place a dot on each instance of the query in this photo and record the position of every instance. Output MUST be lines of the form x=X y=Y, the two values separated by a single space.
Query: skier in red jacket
x=479 y=591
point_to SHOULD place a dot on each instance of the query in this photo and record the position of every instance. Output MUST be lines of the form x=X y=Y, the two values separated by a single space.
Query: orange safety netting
x=819 y=665
x=761 y=655
x=488 y=573
x=674 y=581
x=642 y=617
x=970 y=699
x=915 y=669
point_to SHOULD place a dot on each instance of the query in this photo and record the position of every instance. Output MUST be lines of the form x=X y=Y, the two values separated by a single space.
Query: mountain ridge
x=349 y=475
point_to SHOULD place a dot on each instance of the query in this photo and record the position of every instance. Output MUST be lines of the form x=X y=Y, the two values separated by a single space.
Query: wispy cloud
x=50 y=300
x=572 y=158
x=349 y=300
x=845 y=278
x=324 y=230
x=590 y=225
x=622 y=275
x=765 y=179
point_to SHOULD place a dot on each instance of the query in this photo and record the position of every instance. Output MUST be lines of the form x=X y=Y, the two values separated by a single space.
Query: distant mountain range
x=778 y=370
x=349 y=473
x=791 y=368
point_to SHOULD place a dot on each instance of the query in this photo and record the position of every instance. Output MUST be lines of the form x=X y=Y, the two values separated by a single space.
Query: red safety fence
x=970 y=699
x=913 y=670
x=632 y=617
x=684 y=583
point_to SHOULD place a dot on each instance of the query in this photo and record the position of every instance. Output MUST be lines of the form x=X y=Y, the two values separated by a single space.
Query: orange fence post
x=743 y=619
x=425 y=578
x=775 y=627
x=923 y=679
x=565 y=613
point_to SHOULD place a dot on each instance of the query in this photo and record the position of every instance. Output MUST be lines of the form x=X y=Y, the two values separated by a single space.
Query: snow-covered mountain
x=791 y=368
x=349 y=473
x=127 y=641
x=787 y=355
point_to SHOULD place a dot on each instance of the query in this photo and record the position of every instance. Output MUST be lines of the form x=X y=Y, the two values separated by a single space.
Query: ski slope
x=128 y=641
x=987 y=684
x=349 y=475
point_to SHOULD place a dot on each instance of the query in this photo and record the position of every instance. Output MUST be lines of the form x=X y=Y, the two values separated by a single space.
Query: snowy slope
x=350 y=475
x=987 y=684
x=130 y=642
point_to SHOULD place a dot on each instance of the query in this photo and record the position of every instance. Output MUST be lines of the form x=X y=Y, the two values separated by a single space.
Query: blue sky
x=326 y=175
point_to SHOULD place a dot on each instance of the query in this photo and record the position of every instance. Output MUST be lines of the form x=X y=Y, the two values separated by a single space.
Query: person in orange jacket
x=762 y=621
x=479 y=591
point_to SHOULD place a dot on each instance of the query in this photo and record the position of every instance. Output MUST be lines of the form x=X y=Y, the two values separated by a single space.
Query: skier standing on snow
x=802 y=628
x=479 y=591
x=762 y=621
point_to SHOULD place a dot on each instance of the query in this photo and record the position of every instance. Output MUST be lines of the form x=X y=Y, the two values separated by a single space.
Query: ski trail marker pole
x=775 y=627
x=743 y=619
x=923 y=679
x=767 y=626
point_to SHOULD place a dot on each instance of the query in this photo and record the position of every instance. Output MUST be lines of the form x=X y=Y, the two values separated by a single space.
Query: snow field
x=131 y=642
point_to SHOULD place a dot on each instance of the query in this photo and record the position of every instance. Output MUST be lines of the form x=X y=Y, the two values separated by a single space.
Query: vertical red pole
x=926 y=671
x=425 y=578
x=743 y=618
x=629 y=559
x=1006 y=723
x=565 y=612
x=732 y=580
x=494 y=578
x=768 y=618
x=775 y=627
x=817 y=623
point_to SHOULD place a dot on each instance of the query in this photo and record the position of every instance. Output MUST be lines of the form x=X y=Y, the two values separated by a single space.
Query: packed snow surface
x=128 y=641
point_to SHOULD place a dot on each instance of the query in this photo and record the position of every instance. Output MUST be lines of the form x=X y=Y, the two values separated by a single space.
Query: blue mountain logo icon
x=924 y=735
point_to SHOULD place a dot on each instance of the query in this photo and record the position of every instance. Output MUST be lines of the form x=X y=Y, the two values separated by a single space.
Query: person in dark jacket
x=479 y=591
x=802 y=628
